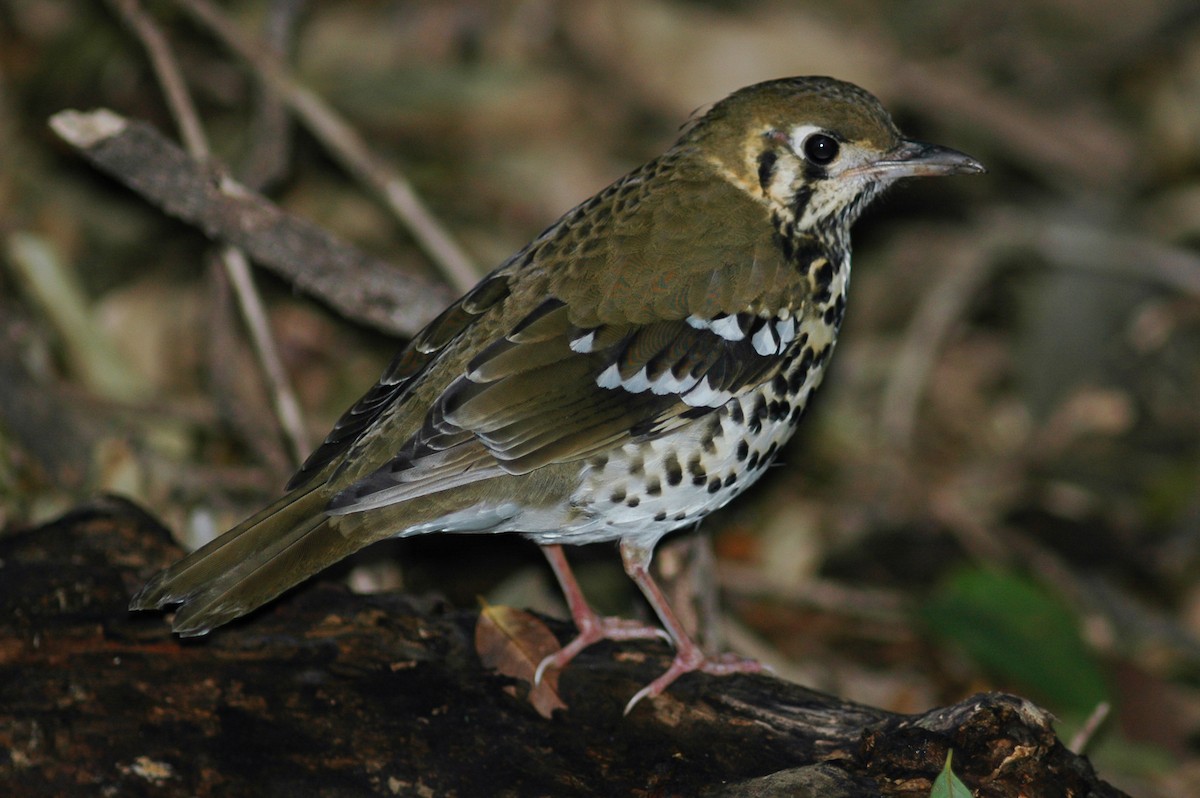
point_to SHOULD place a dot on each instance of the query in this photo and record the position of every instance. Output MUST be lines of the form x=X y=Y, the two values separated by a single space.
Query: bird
x=631 y=370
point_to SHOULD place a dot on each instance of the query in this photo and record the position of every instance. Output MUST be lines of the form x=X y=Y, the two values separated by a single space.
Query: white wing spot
x=583 y=344
x=610 y=377
x=764 y=340
x=669 y=383
x=728 y=328
x=785 y=328
x=704 y=395
x=638 y=382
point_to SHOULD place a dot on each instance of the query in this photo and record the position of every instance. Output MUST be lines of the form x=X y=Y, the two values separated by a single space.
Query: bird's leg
x=688 y=656
x=592 y=627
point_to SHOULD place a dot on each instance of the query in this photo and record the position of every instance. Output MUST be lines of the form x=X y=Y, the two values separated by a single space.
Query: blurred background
x=998 y=486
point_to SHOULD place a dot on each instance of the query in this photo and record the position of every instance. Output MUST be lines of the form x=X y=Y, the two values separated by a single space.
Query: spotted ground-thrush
x=631 y=370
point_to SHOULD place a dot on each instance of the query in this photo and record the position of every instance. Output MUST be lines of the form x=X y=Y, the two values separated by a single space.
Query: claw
x=541 y=669
x=692 y=659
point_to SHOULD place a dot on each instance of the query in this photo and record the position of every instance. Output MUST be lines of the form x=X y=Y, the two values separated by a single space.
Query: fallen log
x=330 y=693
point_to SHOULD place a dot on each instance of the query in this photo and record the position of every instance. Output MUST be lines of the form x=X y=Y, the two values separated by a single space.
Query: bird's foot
x=693 y=659
x=593 y=629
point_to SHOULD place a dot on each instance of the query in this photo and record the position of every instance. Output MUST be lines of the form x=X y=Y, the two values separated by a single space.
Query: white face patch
x=800 y=134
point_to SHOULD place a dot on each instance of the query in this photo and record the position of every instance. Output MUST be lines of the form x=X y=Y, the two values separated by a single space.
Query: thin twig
x=344 y=144
x=283 y=398
x=168 y=73
x=270 y=126
x=238 y=401
x=170 y=77
x=1079 y=742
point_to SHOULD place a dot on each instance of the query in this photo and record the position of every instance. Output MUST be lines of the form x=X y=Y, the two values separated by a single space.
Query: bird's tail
x=250 y=564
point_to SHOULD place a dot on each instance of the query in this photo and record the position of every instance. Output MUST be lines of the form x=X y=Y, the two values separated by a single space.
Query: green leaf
x=1021 y=633
x=947 y=785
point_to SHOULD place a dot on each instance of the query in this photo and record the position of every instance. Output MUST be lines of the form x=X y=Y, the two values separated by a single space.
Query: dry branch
x=357 y=285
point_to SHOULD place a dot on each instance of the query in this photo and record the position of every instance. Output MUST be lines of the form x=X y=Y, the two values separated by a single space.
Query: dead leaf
x=513 y=642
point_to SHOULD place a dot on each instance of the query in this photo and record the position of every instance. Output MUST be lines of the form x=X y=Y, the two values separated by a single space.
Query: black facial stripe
x=766 y=168
x=813 y=173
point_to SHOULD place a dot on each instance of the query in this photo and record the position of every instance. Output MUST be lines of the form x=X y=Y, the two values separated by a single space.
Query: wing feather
x=533 y=399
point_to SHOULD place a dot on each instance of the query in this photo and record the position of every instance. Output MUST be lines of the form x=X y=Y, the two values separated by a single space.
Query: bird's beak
x=918 y=159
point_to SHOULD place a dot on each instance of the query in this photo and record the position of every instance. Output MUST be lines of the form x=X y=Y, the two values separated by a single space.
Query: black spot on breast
x=711 y=435
x=696 y=469
x=807 y=252
x=779 y=384
x=735 y=413
x=673 y=469
x=617 y=496
x=654 y=488
x=714 y=485
x=758 y=415
x=743 y=450
x=800 y=373
x=633 y=501
x=752 y=463
x=839 y=312
x=661 y=515
x=823 y=279
x=729 y=480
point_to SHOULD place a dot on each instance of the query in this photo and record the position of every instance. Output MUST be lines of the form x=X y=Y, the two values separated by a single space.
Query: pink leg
x=688 y=656
x=592 y=628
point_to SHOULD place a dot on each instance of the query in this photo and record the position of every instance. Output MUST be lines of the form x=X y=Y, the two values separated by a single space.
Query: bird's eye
x=820 y=149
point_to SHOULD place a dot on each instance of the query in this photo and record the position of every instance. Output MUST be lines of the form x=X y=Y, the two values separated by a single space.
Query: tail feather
x=249 y=565
x=309 y=549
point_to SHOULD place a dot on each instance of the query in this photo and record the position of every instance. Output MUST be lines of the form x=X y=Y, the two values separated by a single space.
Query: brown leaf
x=514 y=642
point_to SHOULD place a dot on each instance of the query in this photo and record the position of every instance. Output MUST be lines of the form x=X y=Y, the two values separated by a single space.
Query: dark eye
x=820 y=149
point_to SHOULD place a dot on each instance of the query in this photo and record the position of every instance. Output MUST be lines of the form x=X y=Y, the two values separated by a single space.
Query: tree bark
x=329 y=693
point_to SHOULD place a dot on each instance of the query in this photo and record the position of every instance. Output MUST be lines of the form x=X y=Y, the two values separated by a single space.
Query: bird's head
x=814 y=149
